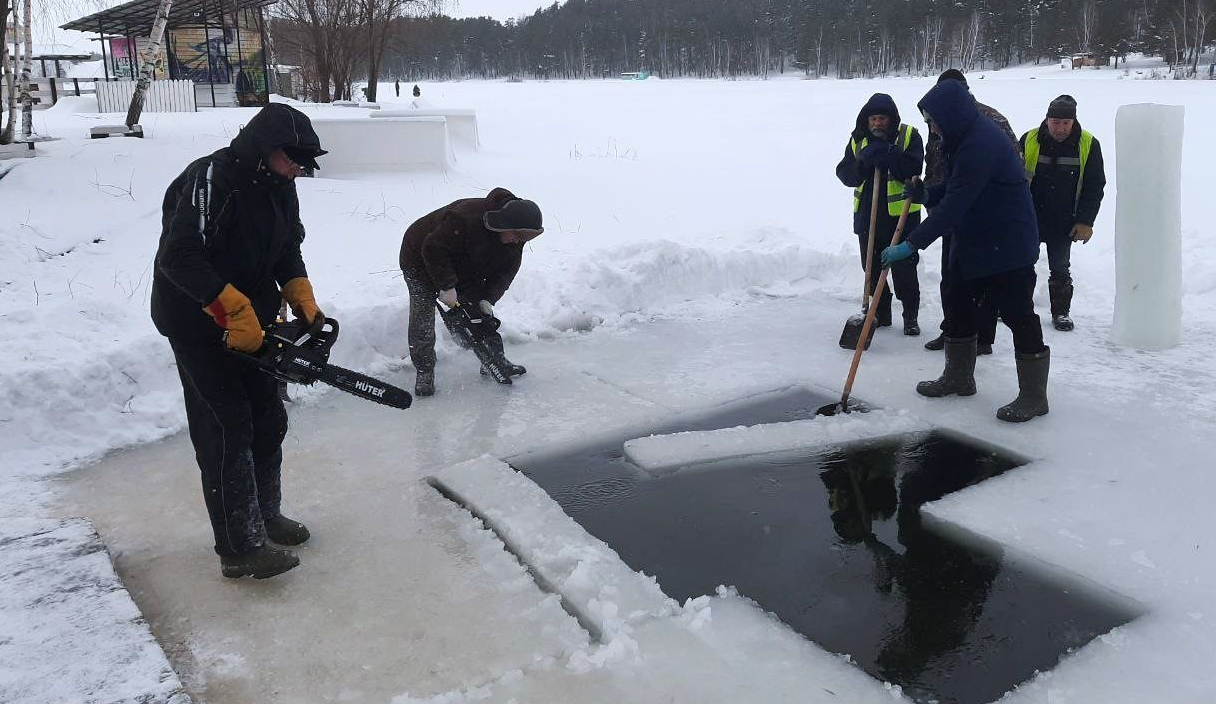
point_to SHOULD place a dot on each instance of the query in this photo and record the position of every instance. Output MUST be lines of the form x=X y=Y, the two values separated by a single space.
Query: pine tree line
x=843 y=38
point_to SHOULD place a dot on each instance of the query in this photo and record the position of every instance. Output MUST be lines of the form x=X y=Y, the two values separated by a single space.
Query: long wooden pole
x=870 y=314
x=865 y=294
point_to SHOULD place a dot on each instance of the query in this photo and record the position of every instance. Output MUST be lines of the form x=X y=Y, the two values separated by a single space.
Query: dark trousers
x=903 y=278
x=421 y=334
x=237 y=424
x=986 y=314
x=1010 y=294
x=1059 y=259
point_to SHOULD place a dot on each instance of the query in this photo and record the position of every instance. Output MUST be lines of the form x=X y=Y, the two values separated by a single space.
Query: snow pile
x=88 y=373
x=70 y=631
x=659 y=453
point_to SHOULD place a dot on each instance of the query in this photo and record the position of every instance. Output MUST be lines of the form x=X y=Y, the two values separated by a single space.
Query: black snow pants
x=986 y=315
x=421 y=334
x=1010 y=295
x=237 y=424
x=903 y=277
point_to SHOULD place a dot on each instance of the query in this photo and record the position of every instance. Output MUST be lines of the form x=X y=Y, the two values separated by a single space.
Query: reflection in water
x=941 y=584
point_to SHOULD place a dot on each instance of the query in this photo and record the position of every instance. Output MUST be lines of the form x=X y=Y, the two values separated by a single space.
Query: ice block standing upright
x=1148 y=226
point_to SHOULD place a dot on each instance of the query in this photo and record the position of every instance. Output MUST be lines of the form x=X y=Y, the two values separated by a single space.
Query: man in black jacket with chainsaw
x=465 y=253
x=229 y=252
x=881 y=143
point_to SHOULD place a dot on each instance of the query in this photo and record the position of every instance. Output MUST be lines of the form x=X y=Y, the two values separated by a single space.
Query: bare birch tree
x=148 y=62
x=27 y=100
x=1087 y=22
x=10 y=92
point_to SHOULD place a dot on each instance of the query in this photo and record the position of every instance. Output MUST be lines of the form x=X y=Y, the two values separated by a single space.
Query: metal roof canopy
x=136 y=17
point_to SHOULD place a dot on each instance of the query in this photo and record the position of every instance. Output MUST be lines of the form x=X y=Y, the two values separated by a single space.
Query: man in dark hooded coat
x=879 y=141
x=985 y=201
x=229 y=253
x=935 y=174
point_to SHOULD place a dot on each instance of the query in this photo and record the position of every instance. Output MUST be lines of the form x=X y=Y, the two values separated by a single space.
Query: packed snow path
x=403 y=595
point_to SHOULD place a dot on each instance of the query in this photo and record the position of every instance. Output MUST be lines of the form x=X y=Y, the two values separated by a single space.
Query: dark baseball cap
x=515 y=215
x=304 y=156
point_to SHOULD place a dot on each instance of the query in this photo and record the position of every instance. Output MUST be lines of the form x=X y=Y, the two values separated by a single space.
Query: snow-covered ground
x=697 y=249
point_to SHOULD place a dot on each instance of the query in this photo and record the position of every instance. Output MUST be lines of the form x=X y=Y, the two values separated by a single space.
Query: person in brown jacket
x=467 y=252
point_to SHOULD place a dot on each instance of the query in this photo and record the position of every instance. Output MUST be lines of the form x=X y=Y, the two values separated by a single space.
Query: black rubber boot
x=937 y=343
x=263 y=562
x=1061 y=303
x=911 y=327
x=959 y=374
x=284 y=531
x=1032 y=389
x=424 y=384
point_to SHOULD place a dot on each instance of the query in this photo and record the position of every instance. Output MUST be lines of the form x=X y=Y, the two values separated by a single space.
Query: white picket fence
x=162 y=96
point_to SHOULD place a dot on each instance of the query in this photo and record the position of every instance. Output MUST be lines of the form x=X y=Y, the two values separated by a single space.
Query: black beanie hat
x=952 y=74
x=515 y=215
x=1063 y=108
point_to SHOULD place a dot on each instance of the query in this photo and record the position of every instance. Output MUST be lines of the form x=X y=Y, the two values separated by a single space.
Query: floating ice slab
x=595 y=584
x=659 y=454
x=69 y=631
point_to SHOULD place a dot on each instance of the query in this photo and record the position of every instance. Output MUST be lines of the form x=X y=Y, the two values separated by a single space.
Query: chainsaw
x=298 y=353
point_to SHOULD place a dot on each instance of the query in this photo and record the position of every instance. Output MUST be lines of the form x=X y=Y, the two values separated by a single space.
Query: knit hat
x=952 y=74
x=515 y=215
x=1063 y=108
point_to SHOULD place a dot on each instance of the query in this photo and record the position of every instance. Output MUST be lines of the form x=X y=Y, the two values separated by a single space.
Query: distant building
x=220 y=46
x=1087 y=59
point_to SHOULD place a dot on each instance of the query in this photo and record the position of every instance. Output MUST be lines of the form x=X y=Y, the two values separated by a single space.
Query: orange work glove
x=298 y=294
x=233 y=312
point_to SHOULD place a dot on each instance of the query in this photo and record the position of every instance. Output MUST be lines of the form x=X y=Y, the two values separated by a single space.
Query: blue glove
x=877 y=154
x=916 y=192
x=896 y=253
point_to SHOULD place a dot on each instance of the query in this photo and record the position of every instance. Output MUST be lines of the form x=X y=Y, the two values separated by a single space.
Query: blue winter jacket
x=985 y=199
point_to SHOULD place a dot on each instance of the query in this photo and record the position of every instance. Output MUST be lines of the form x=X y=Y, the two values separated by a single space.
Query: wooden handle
x=869 y=321
x=865 y=292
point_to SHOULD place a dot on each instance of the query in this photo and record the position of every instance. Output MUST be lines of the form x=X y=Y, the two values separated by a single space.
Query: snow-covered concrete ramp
x=69 y=631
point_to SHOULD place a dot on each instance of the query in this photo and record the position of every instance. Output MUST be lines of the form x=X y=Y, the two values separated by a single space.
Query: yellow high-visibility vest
x=1033 y=158
x=895 y=189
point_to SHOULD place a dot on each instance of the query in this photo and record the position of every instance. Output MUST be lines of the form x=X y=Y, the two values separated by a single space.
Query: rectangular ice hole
x=832 y=542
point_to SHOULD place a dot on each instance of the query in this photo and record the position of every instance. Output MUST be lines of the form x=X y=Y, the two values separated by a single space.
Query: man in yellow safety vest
x=1067 y=179
x=880 y=142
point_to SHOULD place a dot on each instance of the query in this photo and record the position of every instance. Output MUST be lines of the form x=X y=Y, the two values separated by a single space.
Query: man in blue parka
x=985 y=200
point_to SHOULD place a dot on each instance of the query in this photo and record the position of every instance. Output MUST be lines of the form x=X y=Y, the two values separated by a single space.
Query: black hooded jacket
x=1054 y=187
x=853 y=173
x=228 y=219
